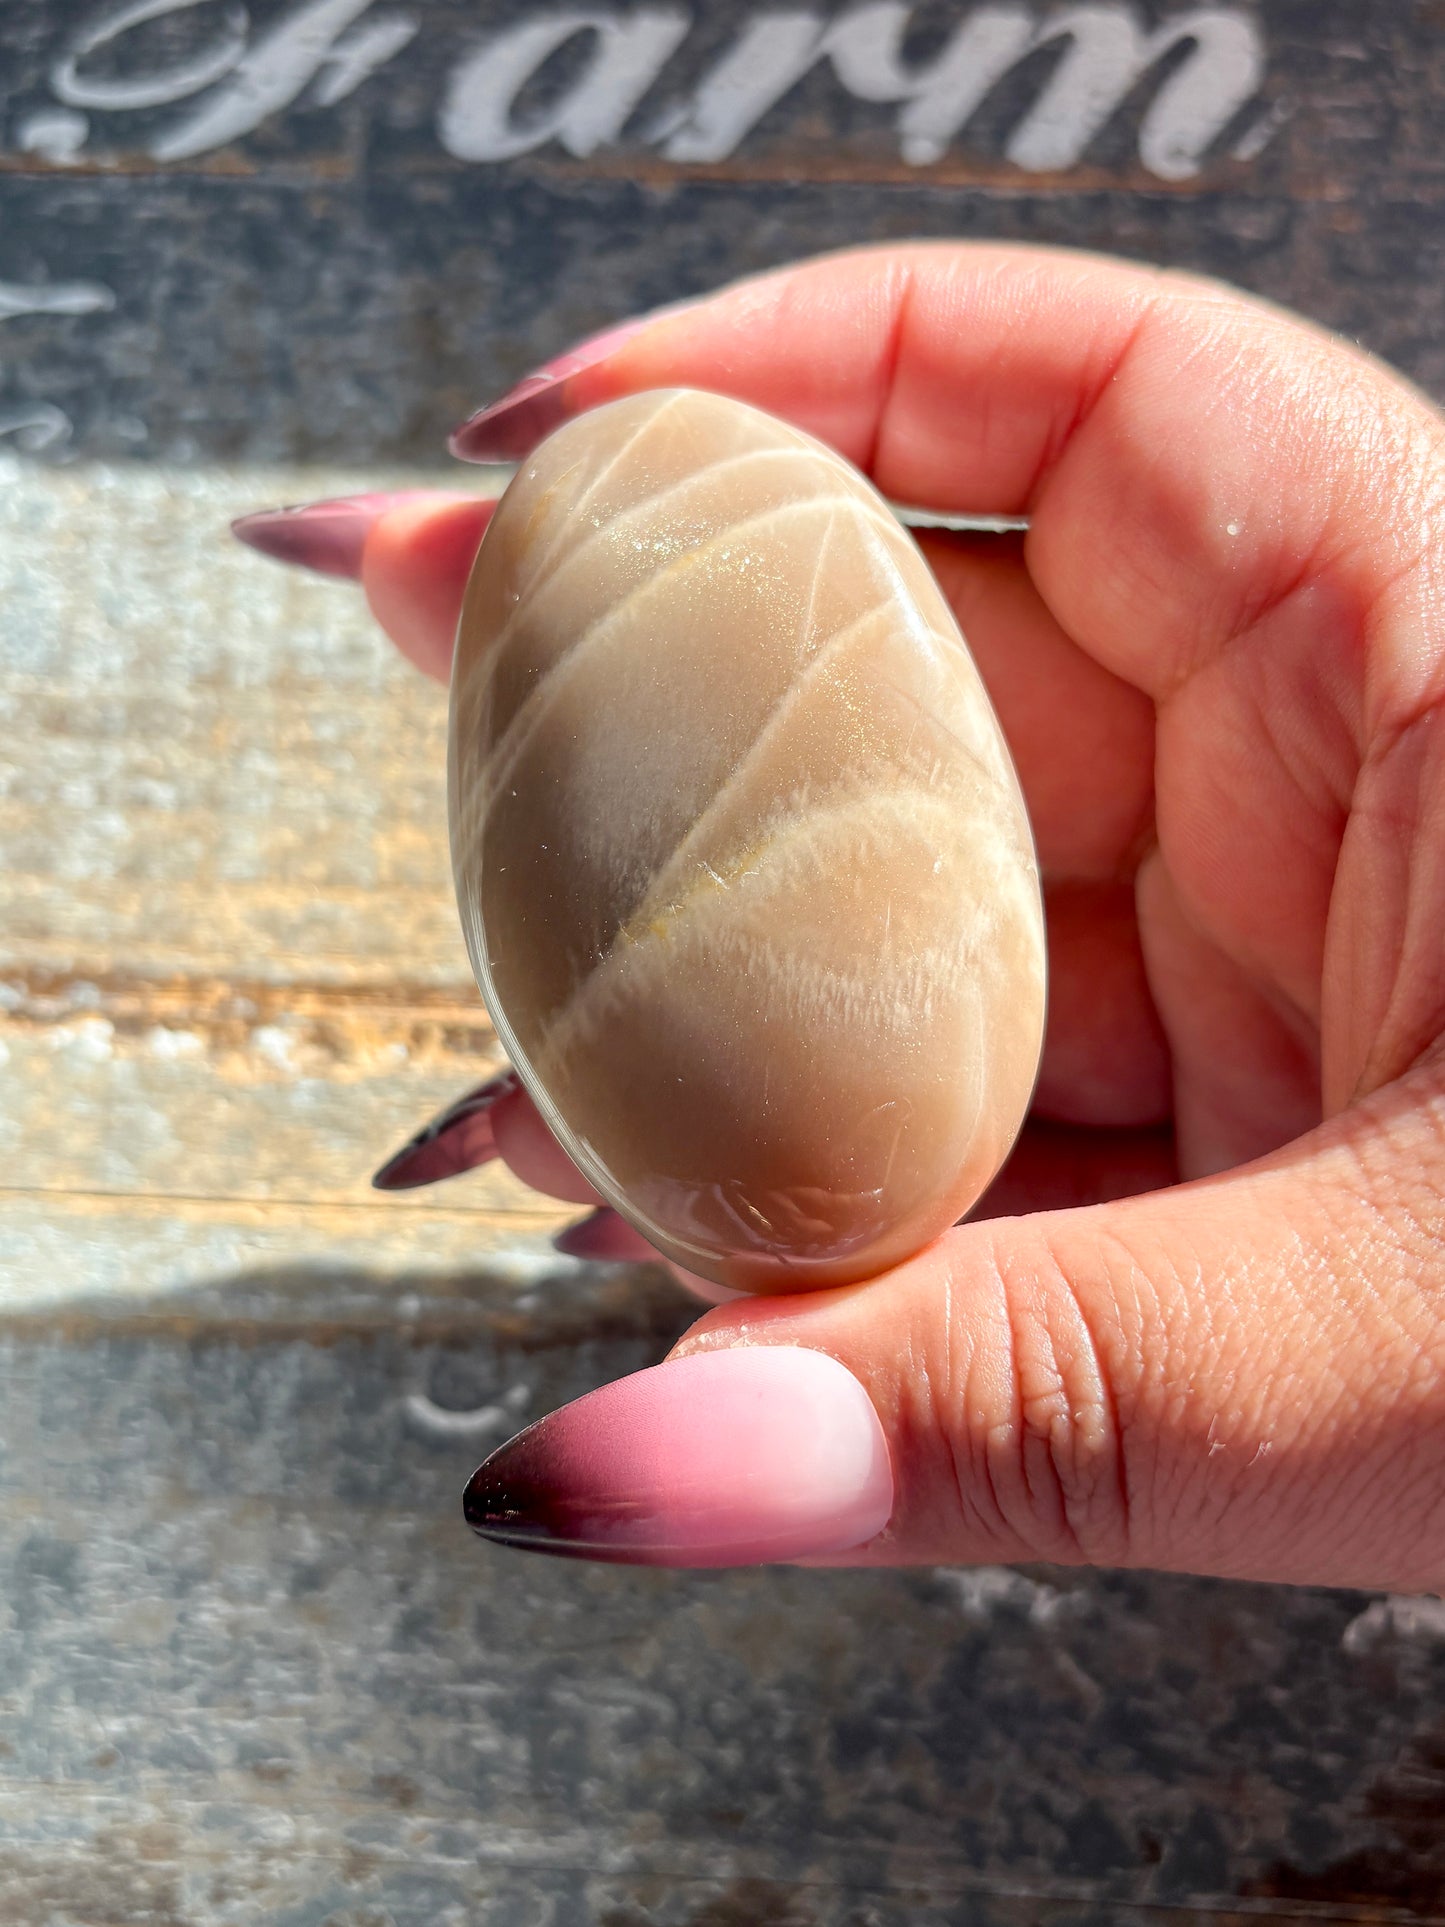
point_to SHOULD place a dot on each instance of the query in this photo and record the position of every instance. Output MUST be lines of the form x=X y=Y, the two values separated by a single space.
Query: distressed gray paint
x=301 y=266
x=252 y=1668
x=253 y=1671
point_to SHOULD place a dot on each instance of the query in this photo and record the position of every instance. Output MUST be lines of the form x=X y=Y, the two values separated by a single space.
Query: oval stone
x=741 y=857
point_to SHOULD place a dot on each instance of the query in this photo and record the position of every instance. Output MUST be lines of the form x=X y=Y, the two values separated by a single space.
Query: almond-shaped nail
x=327 y=537
x=457 y=1139
x=511 y=427
x=729 y=1458
x=604 y=1237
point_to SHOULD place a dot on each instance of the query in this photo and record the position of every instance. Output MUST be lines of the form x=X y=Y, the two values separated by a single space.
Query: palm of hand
x=1218 y=658
x=1232 y=781
x=1188 y=871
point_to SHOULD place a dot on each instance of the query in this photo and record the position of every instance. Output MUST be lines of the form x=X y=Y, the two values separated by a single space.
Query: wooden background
x=335 y=283
x=252 y=1668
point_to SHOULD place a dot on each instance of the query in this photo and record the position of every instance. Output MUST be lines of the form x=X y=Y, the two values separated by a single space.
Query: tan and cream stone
x=743 y=865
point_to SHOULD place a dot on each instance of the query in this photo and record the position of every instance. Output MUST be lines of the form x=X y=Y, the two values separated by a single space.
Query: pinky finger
x=496 y=1120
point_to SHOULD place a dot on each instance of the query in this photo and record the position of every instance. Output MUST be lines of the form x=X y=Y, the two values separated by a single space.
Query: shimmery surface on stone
x=742 y=861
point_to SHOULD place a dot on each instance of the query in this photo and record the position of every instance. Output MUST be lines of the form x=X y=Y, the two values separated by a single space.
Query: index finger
x=940 y=369
x=1164 y=433
x=1229 y=509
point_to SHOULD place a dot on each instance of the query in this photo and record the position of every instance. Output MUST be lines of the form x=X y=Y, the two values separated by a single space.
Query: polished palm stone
x=742 y=860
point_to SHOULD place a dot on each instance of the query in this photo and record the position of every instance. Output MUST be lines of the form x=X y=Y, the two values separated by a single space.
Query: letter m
x=1109 y=52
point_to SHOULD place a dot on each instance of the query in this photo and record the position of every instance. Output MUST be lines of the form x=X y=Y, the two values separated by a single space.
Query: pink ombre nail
x=327 y=537
x=510 y=428
x=606 y=1237
x=457 y=1139
x=728 y=1458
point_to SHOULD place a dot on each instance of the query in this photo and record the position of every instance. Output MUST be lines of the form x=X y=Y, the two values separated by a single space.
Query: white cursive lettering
x=1104 y=51
x=273 y=73
x=766 y=61
x=628 y=54
x=864 y=48
x=358 y=55
x=941 y=98
x=147 y=90
x=1108 y=53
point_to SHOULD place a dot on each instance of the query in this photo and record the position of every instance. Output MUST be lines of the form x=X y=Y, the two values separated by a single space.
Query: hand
x=1219 y=656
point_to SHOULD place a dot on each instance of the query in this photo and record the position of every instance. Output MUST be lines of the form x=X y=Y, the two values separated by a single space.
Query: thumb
x=1243 y=1376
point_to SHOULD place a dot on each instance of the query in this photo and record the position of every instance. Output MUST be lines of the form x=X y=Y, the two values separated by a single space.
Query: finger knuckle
x=1049 y=1450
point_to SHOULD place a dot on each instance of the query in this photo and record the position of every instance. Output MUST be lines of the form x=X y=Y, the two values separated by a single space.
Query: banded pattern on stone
x=742 y=861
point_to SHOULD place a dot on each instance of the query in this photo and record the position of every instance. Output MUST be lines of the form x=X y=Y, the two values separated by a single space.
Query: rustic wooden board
x=232 y=975
x=254 y=1671
x=253 y=1667
x=331 y=227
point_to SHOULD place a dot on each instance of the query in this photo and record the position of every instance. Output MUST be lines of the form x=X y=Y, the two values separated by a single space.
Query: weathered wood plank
x=207 y=759
x=230 y=973
x=254 y=1671
x=65 y=1246
x=290 y=1104
x=251 y=1666
x=332 y=230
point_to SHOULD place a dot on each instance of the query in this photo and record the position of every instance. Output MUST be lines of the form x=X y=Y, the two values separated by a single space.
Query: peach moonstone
x=742 y=860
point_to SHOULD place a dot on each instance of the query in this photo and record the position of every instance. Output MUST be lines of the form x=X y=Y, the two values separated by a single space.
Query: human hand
x=1219 y=658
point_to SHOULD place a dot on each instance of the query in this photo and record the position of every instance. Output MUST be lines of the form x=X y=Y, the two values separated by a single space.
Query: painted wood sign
x=325 y=227
x=255 y=1668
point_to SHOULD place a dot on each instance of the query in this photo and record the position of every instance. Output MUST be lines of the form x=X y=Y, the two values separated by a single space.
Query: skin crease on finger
x=1245 y=1374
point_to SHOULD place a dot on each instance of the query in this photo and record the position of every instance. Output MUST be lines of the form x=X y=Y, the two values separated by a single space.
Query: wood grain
x=254 y=1669
x=332 y=282
x=231 y=979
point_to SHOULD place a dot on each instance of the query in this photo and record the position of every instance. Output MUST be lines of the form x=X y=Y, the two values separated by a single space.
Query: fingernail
x=727 y=1458
x=604 y=1236
x=510 y=428
x=457 y=1139
x=327 y=537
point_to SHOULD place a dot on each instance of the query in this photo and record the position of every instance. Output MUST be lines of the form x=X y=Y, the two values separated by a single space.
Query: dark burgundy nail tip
x=577 y=1240
x=325 y=550
x=595 y=1554
x=510 y=1502
x=509 y=429
x=507 y=1497
x=458 y=1139
x=423 y=1164
x=490 y=1508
